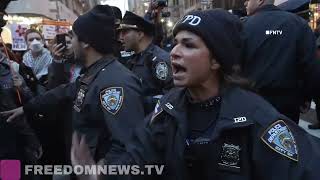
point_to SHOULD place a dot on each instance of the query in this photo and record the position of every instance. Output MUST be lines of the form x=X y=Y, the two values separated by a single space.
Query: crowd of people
x=224 y=103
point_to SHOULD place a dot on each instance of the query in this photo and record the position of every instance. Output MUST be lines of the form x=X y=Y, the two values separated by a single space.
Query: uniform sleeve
x=50 y=100
x=57 y=75
x=123 y=111
x=285 y=151
x=26 y=92
x=146 y=145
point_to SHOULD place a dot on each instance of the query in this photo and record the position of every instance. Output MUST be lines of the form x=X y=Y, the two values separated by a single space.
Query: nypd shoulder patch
x=280 y=139
x=111 y=99
x=162 y=71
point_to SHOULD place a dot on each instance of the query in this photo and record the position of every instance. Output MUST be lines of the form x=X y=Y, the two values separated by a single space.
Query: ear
x=140 y=35
x=214 y=65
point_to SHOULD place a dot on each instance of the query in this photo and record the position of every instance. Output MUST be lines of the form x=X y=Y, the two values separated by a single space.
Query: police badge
x=111 y=99
x=230 y=158
x=279 y=138
x=162 y=71
x=79 y=99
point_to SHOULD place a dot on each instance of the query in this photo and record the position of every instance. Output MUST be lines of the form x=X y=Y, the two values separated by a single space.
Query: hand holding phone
x=61 y=39
x=59 y=48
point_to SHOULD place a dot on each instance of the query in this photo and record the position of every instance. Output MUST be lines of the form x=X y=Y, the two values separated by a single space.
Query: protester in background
x=37 y=58
x=18 y=141
x=150 y=63
x=64 y=68
x=154 y=14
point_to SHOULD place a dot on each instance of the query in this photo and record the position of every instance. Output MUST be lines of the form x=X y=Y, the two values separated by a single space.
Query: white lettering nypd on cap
x=192 y=20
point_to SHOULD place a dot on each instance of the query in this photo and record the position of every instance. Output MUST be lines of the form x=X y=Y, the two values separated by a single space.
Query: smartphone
x=61 y=39
x=162 y=3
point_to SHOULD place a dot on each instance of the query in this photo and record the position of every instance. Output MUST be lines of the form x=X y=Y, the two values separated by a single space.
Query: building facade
x=178 y=8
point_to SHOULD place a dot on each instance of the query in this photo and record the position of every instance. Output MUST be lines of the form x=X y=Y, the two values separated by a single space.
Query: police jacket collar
x=269 y=7
x=235 y=110
x=148 y=50
x=88 y=74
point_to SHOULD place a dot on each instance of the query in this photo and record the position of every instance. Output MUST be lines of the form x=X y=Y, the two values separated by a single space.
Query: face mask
x=36 y=46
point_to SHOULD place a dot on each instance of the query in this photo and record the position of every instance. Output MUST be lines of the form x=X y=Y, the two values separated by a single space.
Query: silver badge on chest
x=230 y=157
x=79 y=99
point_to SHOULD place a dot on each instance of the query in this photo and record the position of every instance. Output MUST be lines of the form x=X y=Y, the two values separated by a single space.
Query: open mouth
x=178 y=68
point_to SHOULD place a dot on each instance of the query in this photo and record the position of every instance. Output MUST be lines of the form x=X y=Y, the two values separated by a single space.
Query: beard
x=79 y=58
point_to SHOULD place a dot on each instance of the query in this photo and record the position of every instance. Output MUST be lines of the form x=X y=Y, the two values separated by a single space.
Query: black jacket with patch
x=280 y=56
x=236 y=149
x=107 y=104
x=153 y=68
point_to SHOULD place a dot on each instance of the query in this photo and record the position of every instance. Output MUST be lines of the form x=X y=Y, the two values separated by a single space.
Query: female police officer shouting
x=210 y=128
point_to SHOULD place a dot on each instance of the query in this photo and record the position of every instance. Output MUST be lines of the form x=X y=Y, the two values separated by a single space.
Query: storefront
x=41 y=15
x=13 y=33
x=314 y=15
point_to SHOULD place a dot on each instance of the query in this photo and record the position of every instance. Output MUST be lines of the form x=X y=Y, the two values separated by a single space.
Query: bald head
x=253 y=5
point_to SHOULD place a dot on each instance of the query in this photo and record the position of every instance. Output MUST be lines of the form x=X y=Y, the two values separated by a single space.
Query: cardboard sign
x=18 y=32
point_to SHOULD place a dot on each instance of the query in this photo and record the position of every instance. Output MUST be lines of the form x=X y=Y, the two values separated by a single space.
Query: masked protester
x=35 y=61
x=209 y=127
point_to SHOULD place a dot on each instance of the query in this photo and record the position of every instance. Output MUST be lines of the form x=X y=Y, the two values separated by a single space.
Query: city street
x=309 y=118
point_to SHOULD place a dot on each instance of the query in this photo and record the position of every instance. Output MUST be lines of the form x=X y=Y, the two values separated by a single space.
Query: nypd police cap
x=133 y=21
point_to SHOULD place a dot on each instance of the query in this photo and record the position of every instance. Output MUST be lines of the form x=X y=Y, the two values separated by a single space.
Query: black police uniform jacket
x=280 y=52
x=153 y=67
x=107 y=104
x=250 y=140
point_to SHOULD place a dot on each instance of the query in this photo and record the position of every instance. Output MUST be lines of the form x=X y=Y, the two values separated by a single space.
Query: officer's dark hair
x=233 y=78
x=149 y=33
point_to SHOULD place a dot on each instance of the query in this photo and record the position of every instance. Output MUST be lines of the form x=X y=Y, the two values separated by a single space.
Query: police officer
x=279 y=56
x=106 y=97
x=150 y=63
x=209 y=127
